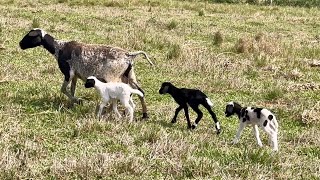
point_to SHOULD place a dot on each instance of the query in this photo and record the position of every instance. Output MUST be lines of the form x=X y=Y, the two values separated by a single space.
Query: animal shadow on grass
x=38 y=104
x=168 y=124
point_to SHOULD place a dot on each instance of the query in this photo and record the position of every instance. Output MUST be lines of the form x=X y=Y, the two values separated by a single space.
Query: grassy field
x=257 y=55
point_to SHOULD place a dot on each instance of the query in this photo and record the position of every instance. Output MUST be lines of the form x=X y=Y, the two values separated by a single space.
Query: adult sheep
x=80 y=60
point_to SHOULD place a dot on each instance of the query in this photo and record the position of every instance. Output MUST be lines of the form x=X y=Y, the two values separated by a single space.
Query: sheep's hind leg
x=134 y=84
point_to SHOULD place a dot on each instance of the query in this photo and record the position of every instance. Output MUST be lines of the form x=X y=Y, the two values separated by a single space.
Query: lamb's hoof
x=173 y=121
x=145 y=116
x=77 y=101
x=189 y=127
x=218 y=131
x=193 y=127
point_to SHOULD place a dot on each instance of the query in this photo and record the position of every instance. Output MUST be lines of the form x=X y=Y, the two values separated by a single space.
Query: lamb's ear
x=102 y=80
x=33 y=33
x=229 y=109
x=165 y=89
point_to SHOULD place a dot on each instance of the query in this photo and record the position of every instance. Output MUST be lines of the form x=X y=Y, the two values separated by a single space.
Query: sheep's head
x=232 y=108
x=32 y=39
x=165 y=87
x=90 y=82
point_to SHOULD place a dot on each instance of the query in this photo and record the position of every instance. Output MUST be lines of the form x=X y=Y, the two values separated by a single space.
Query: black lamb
x=191 y=97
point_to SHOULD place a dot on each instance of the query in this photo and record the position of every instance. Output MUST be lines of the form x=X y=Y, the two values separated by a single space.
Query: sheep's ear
x=33 y=33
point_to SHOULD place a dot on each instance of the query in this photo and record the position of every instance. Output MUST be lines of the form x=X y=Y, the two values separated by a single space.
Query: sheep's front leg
x=257 y=135
x=186 y=112
x=65 y=91
x=240 y=129
x=174 y=119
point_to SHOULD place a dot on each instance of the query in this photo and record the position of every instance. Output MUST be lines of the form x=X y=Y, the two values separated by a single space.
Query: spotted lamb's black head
x=165 y=87
x=90 y=82
x=33 y=39
x=232 y=108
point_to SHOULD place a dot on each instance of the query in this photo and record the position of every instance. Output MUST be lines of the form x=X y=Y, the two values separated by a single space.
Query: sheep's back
x=101 y=61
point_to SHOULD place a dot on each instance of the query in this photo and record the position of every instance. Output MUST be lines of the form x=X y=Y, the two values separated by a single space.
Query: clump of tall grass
x=172 y=24
x=174 y=51
x=258 y=44
x=35 y=23
x=218 y=38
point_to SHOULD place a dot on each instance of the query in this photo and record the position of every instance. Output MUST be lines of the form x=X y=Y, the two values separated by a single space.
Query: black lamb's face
x=164 y=87
x=89 y=83
x=229 y=110
x=32 y=39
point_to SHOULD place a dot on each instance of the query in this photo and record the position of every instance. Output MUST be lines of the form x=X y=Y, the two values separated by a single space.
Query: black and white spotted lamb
x=79 y=60
x=193 y=98
x=256 y=117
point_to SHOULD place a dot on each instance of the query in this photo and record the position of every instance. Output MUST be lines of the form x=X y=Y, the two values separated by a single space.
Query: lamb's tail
x=140 y=52
x=136 y=91
x=209 y=102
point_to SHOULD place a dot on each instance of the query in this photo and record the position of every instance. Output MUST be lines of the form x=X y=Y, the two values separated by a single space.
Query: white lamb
x=114 y=91
x=256 y=117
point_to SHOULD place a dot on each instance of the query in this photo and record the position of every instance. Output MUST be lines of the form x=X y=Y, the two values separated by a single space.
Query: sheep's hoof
x=218 y=131
x=145 y=115
x=173 y=121
x=193 y=127
x=189 y=127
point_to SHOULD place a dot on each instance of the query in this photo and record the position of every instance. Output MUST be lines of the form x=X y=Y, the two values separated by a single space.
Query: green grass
x=193 y=45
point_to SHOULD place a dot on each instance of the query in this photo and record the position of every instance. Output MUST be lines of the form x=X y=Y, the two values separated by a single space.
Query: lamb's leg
x=214 y=117
x=102 y=105
x=186 y=112
x=273 y=136
x=240 y=129
x=132 y=103
x=134 y=84
x=256 y=134
x=114 y=107
x=174 y=119
x=125 y=103
x=200 y=115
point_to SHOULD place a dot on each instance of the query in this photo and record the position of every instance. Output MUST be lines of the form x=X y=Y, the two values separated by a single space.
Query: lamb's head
x=232 y=108
x=32 y=39
x=165 y=88
x=90 y=82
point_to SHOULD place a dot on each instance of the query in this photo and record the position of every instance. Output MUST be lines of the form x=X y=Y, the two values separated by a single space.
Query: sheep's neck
x=48 y=43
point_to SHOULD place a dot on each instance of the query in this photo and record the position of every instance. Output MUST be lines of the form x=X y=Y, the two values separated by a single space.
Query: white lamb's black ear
x=102 y=80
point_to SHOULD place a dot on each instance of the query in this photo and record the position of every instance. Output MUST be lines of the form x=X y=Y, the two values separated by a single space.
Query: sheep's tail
x=136 y=91
x=209 y=102
x=140 y=52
